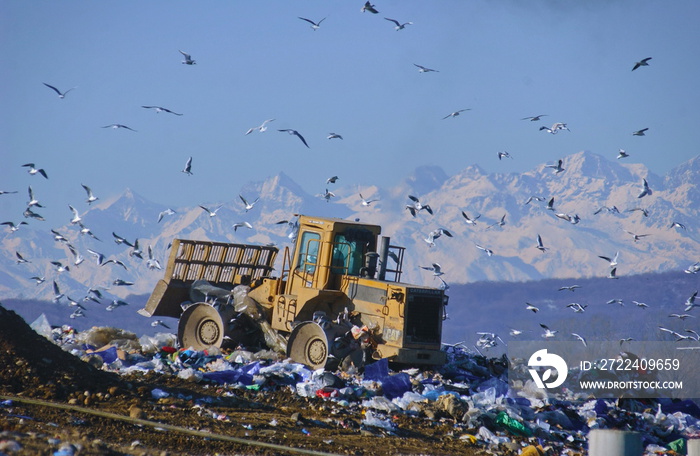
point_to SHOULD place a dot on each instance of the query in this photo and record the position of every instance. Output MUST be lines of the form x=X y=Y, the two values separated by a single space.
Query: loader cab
x=329 y=249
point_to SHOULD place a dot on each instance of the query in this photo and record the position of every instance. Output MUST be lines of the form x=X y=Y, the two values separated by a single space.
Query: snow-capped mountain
x=595 y=212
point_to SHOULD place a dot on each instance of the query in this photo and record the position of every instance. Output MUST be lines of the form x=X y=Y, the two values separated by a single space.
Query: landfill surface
x=120 y=394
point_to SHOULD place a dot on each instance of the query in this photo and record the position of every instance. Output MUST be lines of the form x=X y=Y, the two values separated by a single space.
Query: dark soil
x=32 y=367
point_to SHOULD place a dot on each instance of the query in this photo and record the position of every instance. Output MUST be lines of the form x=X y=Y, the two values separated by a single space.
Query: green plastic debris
x=513 y=425
x=679 y=446
x=254 y=387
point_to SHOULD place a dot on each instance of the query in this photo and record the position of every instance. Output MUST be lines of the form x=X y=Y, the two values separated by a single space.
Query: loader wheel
x=308 y=345
x=200 y=327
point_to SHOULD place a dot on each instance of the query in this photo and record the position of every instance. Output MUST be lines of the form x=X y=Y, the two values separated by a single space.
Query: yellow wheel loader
x=338 y=297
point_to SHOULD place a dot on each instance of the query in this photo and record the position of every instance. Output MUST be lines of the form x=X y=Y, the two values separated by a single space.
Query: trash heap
x=470 y=390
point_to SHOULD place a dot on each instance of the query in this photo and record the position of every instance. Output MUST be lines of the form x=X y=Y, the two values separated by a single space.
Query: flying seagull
x=399 y=26
x=570 y=287
x=20 y=258
x=612 y=261
x=534 y=118
x=583 y=341
x=613 y=274
x=690 y=302
x=558 y=167
x=645 y=189
x=677 y=225
x=159 y=109
x=548 y=333
x=332 y=180
x=531 y=307
x=504 y=154
x=422 y=69
x=295 y=133
x=640 y=132
x=641 y=63
x=366 y=202
x=540 y=246
x=211 y=213
x=488 y=252
x=470 y=221
x=164 y=213
x=622 y=154
x=120 y=240
x=188 y=167
x=91 y=198
x=261 y=128
x=32 y=199
x=314 y=25
x=60 y=94
x=188 y=59
x=334 y=136
x=417 y=206
x=636 y=237
x=32 y=170
x=248 y=206
x=555 y=128
x=327 y=195
x=242 y=224
x=14 y=227
x=369 y=7
x=115 y=126
x=436 y=268
x=456 y=113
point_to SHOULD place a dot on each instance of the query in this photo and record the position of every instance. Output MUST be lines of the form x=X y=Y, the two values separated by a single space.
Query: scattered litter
x=470 y=391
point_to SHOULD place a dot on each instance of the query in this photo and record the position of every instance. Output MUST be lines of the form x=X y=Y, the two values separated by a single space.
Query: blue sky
x=355 y=76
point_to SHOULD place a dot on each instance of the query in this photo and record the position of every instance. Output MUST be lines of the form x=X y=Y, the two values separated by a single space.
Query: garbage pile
x=470 y=390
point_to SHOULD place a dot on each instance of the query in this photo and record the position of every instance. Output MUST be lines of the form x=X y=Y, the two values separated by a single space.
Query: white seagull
x=115 y=126
x=91 y=198
x=690 y=302
x=468 y=220
x=366 y=202
x=529 y=306
x=548 y=333
x=534 y=118
x=645 y=189
x=188 y=59
x=60 y=94
x=334 y=136
x=583 y=341
x=417 y=206
x=327 y=195
x=57 y=295
x=211 y=212
x=314 y=25
x=152 y=262
x=436 y=268
x=570 y=287
x=32 y=170
x=20 y=258
x=612 y=261
x=540 y=246
x=332 y=180
x=76 y=217
x=399 y=26
x=164 y=213
x=369 y=8
x=32 y=200
x=248 y=206
x=636 y=237
x=558 y=167
x=188 y=167
x=554 y=129
x=488 y=252
x=295 y=133
x=613 y=274
x=640 y=132
x=422 y=69
x=503 y=154
x=455 y=114
x=641 y=63
x=622 y=154
x=156 y=323
x=160 y=109
x=261 y=128
x=693 y=268
x=14 y=227
x=242 y=224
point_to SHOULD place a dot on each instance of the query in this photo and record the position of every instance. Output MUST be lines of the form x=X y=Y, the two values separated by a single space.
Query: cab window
x=308 y=251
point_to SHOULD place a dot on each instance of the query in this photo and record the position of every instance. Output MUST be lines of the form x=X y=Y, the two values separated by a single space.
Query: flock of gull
x=414 y=206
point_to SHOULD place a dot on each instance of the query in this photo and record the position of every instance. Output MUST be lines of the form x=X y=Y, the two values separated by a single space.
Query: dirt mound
x=36 y=367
